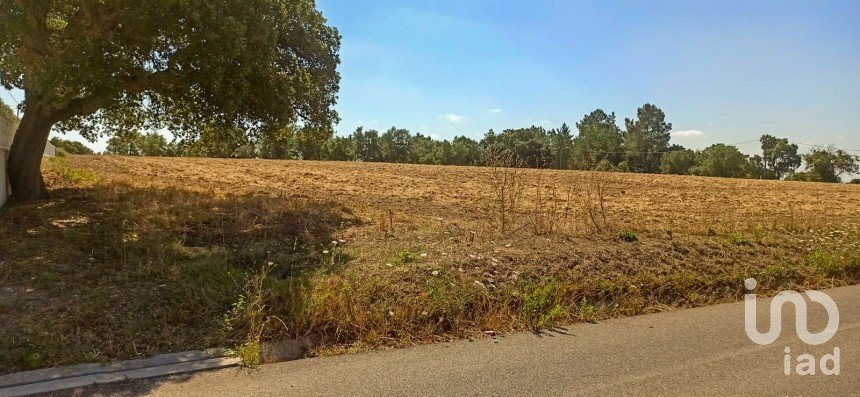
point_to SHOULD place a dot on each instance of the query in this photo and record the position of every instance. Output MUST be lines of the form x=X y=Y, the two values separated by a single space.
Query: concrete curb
x=53 y=379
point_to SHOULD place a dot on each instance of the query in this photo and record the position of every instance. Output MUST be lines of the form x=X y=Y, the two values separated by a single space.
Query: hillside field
x=137 y=256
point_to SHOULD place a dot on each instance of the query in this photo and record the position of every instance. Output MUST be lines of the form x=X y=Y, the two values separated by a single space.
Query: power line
x=17 y=104
x=730 y=144
x=12 y=96
x=811 y=145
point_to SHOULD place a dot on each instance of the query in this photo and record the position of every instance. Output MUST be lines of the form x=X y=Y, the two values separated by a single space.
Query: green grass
x=72 y=175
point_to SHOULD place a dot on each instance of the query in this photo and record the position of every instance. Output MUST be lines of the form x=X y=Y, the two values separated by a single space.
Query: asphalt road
x=698 y=352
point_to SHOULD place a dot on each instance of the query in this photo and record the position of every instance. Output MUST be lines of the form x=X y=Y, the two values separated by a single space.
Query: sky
x=723 y=71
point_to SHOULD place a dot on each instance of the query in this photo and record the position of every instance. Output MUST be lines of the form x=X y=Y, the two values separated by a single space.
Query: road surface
x=700 y=352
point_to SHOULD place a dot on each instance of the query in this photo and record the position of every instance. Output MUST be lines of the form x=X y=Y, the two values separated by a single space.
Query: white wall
x=7 y=131
x=4 y=185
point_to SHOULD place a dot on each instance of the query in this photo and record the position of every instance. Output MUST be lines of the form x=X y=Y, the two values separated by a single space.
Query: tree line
x=598 y=143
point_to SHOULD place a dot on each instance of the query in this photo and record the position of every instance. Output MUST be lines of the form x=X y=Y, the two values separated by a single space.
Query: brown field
x=137 y=256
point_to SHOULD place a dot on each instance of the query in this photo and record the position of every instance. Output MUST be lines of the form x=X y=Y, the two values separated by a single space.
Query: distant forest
x=598 y=143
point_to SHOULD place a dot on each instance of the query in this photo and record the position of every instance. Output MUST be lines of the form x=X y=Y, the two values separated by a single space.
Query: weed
x=737 y=239
x=592 y=201
x=587 y=311
x=539 y=308
x=405 y=257
x=826 y=263
x=247 y=319
x=506 y=183
x=31 y=360
x=628 y=236
x=250 y=353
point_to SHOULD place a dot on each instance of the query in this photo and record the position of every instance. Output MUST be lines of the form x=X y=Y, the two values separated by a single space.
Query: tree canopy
x=71 y=147
x=828 y=165
x=100 y=67
x=599 y=139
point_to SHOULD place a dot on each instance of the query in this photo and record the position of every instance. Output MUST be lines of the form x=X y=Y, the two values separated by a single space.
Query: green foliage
x=779 y=158
x=646 y=138
x=464 y=151
x=422 y=150
x=309 y=141
x=721 y=160
x=366 y=145
x=133 y=143
x=73 y=175
x=250 y=353
x=7 y=113
x=824 y=262
x=339 y=148
x=531 y=145
x=828 y=165
x=561 y=147
x=539 y=307
x=175 y=64
x=276 y=143
x=71 y=147
x=31 y=360
x=405 y=257
x=587 y=311
x=599 y=140
x=737 y=239
x=394 y=145
x=679 y=162
x=628 y=236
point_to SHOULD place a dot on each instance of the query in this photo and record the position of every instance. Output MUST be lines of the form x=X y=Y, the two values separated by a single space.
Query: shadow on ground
x=118 y=270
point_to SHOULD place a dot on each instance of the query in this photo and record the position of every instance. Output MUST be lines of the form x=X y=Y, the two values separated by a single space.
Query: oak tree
x=100 y=67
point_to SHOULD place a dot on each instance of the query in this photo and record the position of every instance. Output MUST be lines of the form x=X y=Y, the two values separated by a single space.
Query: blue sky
x=723 y=71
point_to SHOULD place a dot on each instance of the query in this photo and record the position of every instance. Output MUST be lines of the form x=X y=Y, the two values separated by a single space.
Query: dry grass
x=137 y=256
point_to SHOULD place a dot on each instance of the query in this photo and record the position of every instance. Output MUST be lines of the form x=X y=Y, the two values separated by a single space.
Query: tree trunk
x=25 y=155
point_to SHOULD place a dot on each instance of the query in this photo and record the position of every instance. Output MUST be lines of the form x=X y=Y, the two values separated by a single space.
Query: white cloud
x=688 y=134
x=495 y=111
x=454 y=118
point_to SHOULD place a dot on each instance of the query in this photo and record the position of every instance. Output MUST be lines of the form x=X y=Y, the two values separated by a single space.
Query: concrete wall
x=7 y=131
